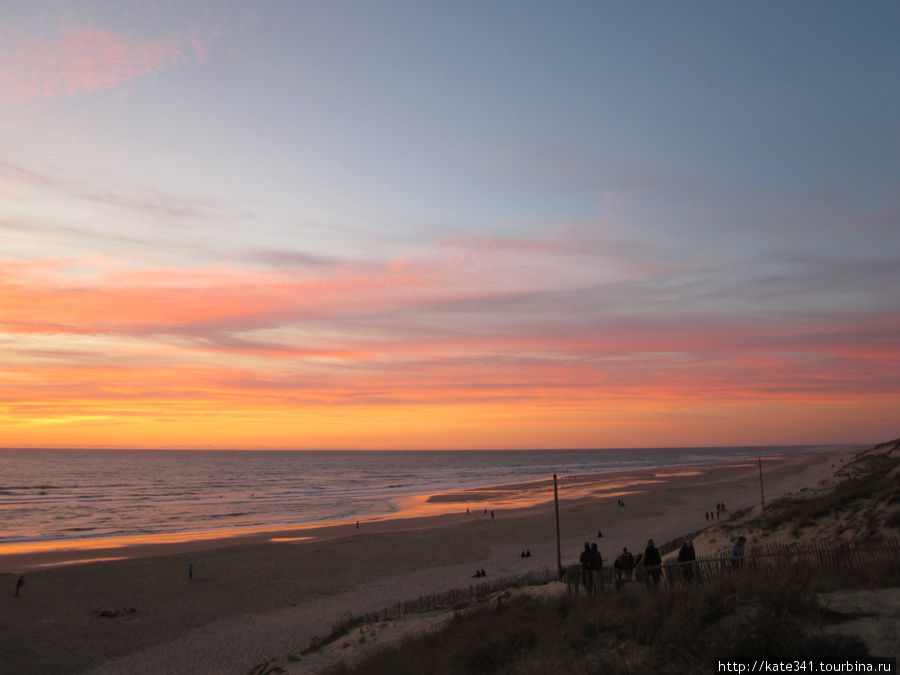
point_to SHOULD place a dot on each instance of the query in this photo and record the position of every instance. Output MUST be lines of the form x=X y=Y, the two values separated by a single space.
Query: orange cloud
x=92 y=295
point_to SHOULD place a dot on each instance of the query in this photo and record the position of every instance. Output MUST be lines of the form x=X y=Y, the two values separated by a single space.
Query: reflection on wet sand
x=79 y=561
x=102 y=543
x=532 y=494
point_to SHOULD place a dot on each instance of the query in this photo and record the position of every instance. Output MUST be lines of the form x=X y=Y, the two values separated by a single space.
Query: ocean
x=59 y=497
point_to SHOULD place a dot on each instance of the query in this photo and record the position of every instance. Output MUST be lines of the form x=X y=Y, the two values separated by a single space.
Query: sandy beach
x=253 y=599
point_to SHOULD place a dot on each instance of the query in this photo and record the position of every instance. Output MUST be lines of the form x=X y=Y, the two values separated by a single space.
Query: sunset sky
x=449 y=224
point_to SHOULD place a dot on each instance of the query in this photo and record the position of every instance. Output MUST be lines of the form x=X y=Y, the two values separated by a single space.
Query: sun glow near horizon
x=132 y=359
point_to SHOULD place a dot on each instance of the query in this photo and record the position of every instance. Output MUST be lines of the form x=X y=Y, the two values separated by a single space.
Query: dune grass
x=869 y=493
x=740 y=616
x=745 y=615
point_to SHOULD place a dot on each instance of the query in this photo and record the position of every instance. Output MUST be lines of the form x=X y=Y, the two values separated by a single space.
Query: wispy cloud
x=151 y=202
x=72 y=214
x=416 y=330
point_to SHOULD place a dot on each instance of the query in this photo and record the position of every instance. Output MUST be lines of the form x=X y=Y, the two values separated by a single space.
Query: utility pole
x=558 y=553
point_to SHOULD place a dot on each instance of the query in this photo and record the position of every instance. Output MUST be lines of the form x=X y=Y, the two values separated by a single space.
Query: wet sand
x=252 y=598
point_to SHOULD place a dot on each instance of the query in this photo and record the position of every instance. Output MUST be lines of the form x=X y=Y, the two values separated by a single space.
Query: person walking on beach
x=626 y=564
x=737 y=551
x=585 y=560
x=687 y=556
x=19 y=584
x=585 y=557
x=596 y=558
x=652 y=561
x=596 y=564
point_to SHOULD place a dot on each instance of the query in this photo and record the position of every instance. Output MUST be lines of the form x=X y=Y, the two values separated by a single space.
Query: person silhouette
x=652 y=561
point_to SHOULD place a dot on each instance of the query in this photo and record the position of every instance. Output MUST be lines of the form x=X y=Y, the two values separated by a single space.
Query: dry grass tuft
x=858 y=503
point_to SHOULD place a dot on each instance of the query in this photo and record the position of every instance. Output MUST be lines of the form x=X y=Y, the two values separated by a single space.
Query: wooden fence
x=458 y=597
x=845 y=558
x=850 y=558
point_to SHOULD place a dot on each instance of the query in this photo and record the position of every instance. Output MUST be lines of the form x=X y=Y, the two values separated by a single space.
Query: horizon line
x=510 y=449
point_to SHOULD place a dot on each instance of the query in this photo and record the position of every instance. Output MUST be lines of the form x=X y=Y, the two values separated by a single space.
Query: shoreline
x=90 y=519
x=251 y=599
x=429 y=508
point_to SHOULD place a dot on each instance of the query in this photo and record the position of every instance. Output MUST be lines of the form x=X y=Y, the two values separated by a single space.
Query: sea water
x=66 y=495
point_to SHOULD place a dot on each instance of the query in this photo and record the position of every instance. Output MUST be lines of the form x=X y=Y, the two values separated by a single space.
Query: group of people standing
x=717 y=514
x=590 y=557
x=650 y=559
x=626 y=563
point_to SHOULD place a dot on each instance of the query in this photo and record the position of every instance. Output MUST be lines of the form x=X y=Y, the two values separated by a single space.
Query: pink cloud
x=90 y=296
x=83 y=60
x=419 y=343
x=199 y=50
